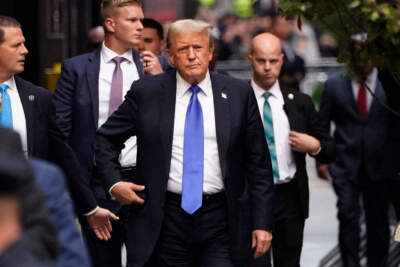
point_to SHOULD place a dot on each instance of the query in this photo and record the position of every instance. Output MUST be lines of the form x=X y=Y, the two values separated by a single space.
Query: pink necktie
x=116 y=86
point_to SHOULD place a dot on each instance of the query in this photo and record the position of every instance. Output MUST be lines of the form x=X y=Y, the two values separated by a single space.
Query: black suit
x=45 y=140
x=148 y=112
x=39 y=233
x=292 y=200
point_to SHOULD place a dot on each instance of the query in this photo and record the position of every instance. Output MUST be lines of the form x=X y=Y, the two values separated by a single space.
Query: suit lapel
x=167 y=99
x=28 y=99
x=138 y=63
x=222 y=118
x=93 y=72
x=290 y=109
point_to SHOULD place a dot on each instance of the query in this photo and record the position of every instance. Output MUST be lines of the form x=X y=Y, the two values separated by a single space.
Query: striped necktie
x=269 y=134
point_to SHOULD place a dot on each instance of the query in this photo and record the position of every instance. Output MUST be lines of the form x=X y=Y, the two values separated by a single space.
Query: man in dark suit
x=28 y=109
x=292 y=129
x=358 y=172
x=203 y=190
x=90 y=88
x=39 y=235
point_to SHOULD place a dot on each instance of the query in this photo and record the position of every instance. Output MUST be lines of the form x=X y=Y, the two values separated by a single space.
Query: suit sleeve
x=111 y=137
x=63 y=155
x=259 y=168
x=316 y=129
x=51 y=182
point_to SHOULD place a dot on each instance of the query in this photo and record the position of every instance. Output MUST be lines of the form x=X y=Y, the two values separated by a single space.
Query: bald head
x=266 y=42
x=266 y=58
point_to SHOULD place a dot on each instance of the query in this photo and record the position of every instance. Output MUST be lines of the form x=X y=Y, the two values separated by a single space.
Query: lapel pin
x=290 y=96
x=223 y=95
x=31 y=98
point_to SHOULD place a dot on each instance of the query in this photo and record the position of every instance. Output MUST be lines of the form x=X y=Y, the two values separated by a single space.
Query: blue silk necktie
x=193 y=155
x=6 y=112
x=269 y=134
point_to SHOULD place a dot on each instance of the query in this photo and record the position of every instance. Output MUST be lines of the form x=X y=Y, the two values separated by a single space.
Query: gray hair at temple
x=7 y=22
x=189 y=26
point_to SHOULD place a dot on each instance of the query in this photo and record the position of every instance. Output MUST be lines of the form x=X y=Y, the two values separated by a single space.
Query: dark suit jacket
x=46 y=141
x=148 y=112
x=357 y=141
x=51 y=182
x=304 y=118
x=76 y=100
x=39 y=234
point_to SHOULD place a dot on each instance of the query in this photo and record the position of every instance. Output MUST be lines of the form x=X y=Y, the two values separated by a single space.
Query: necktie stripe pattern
x=193 y=155
x=116 y=86
x=269 y=134
x=6 y=110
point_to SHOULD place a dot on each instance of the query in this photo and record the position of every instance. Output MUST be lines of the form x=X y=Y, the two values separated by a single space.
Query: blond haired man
x=90 y=88
x=202 y=160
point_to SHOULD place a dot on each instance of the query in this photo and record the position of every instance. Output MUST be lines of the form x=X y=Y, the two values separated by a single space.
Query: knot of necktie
x=267 y=95
x=195 y=89
x=3 y=87
x=118 y=60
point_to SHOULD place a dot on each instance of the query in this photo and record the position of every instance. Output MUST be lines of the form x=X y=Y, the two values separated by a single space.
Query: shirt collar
x=11 y=83
x=108 y=54
x=183 y=86
x=275 y=90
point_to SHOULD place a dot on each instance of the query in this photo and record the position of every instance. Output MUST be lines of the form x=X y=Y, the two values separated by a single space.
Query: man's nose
x=191 y=53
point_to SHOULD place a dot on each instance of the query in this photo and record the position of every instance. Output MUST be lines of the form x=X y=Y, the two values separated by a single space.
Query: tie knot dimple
x=3 y=87
x=267 y=95
x=118 y=60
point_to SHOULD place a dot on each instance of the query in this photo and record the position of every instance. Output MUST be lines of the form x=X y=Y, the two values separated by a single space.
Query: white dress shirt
x=370 y=82
x=212 y=179
x=18 y=114
x=130 y=74
x=284 y=154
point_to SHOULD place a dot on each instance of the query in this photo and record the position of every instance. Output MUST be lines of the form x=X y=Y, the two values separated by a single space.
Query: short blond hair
x=108 y=7
x=189 y=26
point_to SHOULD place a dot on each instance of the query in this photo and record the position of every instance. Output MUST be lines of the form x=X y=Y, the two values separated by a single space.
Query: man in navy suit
x=358 y=172
x=28 y=109
x=203 y=190
x=297 y=131
x=90 y=87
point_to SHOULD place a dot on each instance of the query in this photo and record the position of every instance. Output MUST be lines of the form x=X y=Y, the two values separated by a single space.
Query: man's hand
x=124 y=192
x=150 y=62
x=261 y=241
x=100 y=223
x=302 y=142
x=323 y=172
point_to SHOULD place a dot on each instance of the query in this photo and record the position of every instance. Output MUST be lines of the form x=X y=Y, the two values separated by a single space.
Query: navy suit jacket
x=46 y=141
x=148 y=113
x=76 y=100
x=51 y=182
x=303 y=118
x=357 y=141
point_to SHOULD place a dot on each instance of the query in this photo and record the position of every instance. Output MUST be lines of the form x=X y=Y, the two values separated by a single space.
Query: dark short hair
x=7 y=22
x=154 y=24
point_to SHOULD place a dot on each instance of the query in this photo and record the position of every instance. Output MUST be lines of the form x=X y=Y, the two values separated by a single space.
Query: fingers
x=113 y=216
x=102 y=233
x=254 y=240
x=108 y=226
x=136 y=187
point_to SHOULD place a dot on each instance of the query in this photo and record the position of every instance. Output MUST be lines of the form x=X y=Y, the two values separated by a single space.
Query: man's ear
x=109 y=25
x=249 y=57
x=170 y=57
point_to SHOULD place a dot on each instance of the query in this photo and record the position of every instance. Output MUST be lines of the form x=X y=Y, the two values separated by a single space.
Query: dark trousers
x=375 y=202
x=108 y=253
x=196 y=240
x=287 y=237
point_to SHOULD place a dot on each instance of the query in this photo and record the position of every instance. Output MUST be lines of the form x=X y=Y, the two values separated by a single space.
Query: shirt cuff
x=111 y=188
x=317 y=152
x=91 y=212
